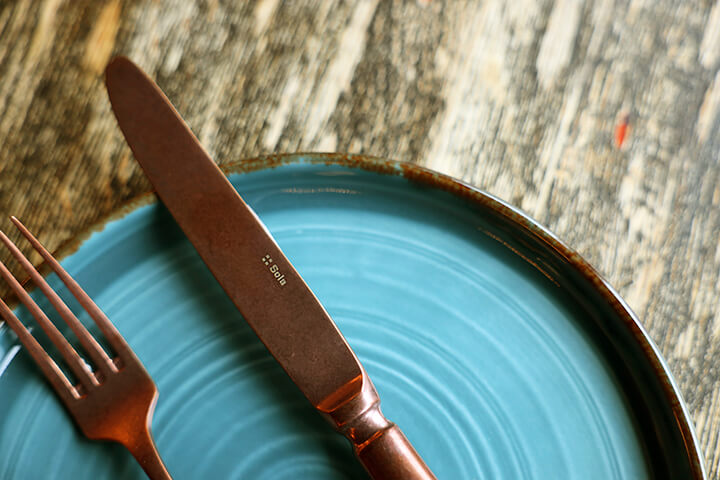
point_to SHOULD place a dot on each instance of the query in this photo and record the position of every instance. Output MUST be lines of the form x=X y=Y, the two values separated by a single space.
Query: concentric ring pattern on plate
x=487 y=364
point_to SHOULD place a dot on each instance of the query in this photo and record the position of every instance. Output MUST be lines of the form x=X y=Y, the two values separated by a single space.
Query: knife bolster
x=360 y=418
x=378 y=443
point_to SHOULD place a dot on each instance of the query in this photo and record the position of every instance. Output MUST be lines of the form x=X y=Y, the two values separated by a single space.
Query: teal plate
x=498 y=350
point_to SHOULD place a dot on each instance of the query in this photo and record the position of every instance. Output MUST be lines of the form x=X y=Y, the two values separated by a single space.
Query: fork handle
x=144 y=450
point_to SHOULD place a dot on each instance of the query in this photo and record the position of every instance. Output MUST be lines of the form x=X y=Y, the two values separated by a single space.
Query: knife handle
x=378 y=443
x=390 y=456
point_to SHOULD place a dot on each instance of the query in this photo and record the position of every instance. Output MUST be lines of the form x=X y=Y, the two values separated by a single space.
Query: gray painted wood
x=519 y=98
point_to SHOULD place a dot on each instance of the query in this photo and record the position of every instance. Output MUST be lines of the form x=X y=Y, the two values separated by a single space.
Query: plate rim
x=424 y=176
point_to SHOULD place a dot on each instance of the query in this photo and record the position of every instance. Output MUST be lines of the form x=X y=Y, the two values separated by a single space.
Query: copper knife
x=252 y=270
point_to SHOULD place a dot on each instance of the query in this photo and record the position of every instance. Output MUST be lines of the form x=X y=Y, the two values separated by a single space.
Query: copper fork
x=116 y=400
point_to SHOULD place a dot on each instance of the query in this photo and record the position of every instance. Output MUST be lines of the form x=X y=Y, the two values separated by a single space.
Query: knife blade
x=252 y=270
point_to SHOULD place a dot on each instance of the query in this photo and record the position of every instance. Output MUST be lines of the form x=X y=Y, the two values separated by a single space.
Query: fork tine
x=106 y=326
x=74 y=361
x=92 y=347
x=48 y=366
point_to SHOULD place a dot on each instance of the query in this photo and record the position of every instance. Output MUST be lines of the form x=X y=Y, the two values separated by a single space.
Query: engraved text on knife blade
x=275 y=270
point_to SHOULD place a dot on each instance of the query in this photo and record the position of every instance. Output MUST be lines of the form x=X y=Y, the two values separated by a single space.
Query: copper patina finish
x=258 y=278
x=116 y=400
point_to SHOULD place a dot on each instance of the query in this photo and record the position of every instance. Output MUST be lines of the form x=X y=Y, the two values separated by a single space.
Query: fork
x=115 y=401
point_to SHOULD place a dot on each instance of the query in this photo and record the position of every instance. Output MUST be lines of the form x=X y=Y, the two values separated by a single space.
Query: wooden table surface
x=599 y=119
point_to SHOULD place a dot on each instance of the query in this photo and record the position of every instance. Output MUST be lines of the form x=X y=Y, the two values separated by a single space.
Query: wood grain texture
x=518 y=98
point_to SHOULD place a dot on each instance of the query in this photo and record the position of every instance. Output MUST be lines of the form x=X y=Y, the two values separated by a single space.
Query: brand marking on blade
x=274 y=269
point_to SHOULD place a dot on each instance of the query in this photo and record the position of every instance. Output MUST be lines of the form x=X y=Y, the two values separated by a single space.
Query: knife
x=252 y=270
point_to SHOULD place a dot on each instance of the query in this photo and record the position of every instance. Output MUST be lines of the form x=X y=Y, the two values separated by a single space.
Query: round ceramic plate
x=499 y=352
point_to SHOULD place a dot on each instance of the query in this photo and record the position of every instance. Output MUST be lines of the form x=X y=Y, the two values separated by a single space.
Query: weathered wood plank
x=521 y=99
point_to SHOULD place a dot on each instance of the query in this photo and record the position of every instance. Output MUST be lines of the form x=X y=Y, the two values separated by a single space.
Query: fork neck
x=142 y=447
